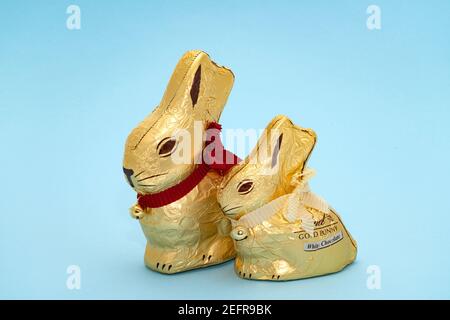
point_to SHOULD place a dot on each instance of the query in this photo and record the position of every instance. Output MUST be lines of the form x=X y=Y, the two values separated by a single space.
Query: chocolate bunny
x=282 y=231
x=177 y=206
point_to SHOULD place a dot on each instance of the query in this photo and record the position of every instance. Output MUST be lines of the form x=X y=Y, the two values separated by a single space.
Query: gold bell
x=239 y=233
x=136 y=212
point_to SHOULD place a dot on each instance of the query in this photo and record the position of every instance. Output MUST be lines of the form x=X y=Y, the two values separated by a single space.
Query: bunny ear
x=266 y=154
x=276 y=151
x=195 y=88
x=198 y=88
x=197 y=91
x=210 y=88
x=283 y=148
x=299 y=144
x=182 y=78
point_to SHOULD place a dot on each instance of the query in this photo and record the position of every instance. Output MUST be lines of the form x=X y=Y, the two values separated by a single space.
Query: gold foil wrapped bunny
x=282 y=231
x=192 y=231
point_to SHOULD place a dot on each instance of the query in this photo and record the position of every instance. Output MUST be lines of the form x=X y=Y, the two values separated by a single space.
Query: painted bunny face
x=192 y=95
x=266 y=174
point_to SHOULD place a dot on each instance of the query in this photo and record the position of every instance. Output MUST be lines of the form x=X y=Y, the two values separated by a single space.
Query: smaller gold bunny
x=281 y=230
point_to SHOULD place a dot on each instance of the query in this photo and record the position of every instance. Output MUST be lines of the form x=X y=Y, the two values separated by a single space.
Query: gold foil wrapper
x=191 y=232
x=270 y=246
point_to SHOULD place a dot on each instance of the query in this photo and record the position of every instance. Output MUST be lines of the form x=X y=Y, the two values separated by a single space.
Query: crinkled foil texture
x=278 y=250
x=189 y=233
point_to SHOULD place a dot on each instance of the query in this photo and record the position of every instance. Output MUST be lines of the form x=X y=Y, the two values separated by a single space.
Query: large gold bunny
x=192 y=231
x=282 y=231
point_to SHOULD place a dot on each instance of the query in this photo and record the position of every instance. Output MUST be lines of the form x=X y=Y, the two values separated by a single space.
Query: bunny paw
x=247 y=271
x=163 y=267
x=275 y=277
x=245 y=275
x=207 y=258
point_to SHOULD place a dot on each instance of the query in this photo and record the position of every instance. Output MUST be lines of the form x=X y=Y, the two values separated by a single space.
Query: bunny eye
x=166 y=147
x=245 y=187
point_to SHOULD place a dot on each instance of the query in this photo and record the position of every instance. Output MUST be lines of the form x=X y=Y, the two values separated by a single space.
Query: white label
x=313 y=246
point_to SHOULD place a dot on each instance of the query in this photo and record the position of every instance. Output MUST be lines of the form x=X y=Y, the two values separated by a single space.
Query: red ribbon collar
x=209 y=162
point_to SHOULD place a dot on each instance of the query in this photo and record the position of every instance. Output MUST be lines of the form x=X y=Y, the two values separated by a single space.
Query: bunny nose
x=128 y=174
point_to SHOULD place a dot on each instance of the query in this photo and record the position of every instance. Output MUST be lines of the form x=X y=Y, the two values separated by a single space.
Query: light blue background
x=378 y=100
